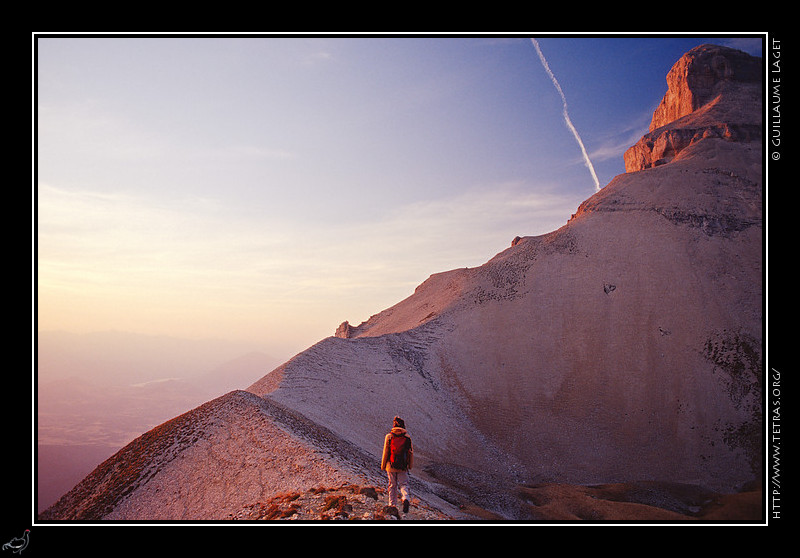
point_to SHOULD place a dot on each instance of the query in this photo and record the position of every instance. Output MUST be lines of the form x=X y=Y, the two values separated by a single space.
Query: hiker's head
x=398 y=422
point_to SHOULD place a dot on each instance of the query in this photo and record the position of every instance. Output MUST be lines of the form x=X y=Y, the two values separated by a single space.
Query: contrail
x=566 y=115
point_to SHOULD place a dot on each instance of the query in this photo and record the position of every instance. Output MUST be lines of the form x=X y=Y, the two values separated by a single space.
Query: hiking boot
x=405 y=506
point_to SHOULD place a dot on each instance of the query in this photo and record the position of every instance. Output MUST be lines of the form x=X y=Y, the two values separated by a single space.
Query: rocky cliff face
x=697 y=105
x=624 y=346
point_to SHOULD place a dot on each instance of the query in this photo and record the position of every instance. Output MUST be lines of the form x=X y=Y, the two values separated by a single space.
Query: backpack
x=398 y=451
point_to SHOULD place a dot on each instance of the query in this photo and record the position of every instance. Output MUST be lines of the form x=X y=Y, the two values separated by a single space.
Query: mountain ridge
x=623 y=347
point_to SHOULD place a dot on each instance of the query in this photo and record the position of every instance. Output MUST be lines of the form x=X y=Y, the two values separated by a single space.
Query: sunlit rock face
x=624 y=346
x=709 y=94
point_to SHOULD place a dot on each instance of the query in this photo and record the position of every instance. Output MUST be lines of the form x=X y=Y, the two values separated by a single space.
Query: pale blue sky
x=268 y=189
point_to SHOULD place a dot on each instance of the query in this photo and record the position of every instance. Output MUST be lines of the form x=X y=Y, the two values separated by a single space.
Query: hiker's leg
x=392 y=489
x=402 y=486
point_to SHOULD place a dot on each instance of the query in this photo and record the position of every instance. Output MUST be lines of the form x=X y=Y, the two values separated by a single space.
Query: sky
x=266 y=189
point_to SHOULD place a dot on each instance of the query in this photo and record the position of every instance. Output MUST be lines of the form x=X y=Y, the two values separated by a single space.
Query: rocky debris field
x=645 y=501
x=347 y=502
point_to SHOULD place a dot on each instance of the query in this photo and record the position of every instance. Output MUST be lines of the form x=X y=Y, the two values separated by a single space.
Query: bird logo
x=18 y=544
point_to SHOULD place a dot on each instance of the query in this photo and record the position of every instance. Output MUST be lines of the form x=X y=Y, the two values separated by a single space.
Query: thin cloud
x=258 y=152
x=318 y=57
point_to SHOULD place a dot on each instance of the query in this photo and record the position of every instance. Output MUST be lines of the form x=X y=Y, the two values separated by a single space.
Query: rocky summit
x=616 y=359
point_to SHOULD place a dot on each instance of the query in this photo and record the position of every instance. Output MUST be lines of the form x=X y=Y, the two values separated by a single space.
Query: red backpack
x=398 y=451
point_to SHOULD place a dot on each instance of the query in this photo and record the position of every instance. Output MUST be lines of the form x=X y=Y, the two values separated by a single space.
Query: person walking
x=397 y=460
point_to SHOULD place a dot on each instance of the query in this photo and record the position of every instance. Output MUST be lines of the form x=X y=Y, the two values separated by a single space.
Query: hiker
x=397 y=460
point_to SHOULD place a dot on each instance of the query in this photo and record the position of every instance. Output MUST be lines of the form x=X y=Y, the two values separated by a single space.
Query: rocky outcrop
x=701 y=75
x=344 y=331
x=706 y=87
